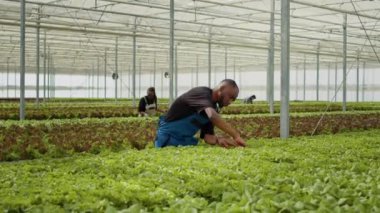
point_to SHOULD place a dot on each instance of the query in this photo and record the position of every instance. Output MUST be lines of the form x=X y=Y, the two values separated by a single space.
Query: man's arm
x=220 y=141
x=224 y=126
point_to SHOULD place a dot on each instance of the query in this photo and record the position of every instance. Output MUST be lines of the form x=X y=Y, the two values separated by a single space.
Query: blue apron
x=180 y=132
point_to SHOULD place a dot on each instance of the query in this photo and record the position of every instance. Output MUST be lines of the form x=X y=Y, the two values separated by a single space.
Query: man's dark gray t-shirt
x=195 y=100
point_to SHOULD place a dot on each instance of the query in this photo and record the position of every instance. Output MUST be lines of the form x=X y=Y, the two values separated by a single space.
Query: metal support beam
x=16 y=73
x=316 y=5
x=270 y=66
x=7 y=77
x=38 y=57
x=105 y=74
x=357 y=78
x=336 y=81
x=176 y=71
x=97 y=78
x=129 y=82
x=154 y=70
x=297 y=82
x=363 y=83
x=140 y=77
x=328 y=82
x=318 y=71
x=209 y=57
x=121 y=83
x=116 y=65
x=285 y=33
x=48 y=73
x=344 y=62
x=45 y=61
x=92 y=80
x=134 y=65
x=89 y=84
x=225 y=63
x=52 y=76
x=22 y=59
x=171 y=53
x=304 y=78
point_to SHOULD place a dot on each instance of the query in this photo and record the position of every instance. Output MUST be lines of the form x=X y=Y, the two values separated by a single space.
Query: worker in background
x=250 y=99
x=196 y=110
x=148 y=103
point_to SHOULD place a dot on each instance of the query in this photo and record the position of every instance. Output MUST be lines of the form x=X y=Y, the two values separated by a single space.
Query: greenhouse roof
x=80 y=33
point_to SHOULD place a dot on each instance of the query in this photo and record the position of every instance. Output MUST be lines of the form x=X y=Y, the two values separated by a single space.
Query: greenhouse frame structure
x=74 y=37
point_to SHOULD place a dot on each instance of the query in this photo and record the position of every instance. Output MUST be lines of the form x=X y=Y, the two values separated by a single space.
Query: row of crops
x=125 y=109
x=326 y=173
x=33 y=139
x=96 y=156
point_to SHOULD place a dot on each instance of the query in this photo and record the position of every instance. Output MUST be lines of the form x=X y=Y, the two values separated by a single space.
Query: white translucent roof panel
x=80 y=32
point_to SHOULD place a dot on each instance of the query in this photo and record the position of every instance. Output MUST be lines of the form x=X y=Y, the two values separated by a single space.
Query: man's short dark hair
x=230 y=82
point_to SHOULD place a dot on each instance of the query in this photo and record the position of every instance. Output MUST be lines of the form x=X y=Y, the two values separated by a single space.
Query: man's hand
x=240 y=142
x=224 y=142
x=227 y=143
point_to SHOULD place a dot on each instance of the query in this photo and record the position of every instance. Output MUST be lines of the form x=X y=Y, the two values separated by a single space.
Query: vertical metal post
x=209 y=57
x=171 y=53
x=7 y=77
x=22 y=59
x=363 y=82
x=176 y=72
x=97 y=78
x=15 y=87
x=48 y=72
x=52 y=78
x=154 y=70
x=38 y=57
x=336 y=81
x=134 y=64
x=225 y=63
x=318 y=71
x=304 y=78
x=121 y=83
x=105 y=74
x=297 y=82
x=92 y=79
x=89 y=83
x=285 y=31
x=129 y=81
x=344 y=62
x=116 y=65
x=45 y=61
x=270 y=66
x=197 y=74
x=140 y=73
x=357 y=78
x=328 y=82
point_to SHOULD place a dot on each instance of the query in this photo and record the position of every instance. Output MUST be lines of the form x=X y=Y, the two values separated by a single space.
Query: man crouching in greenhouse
x=196 y=110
